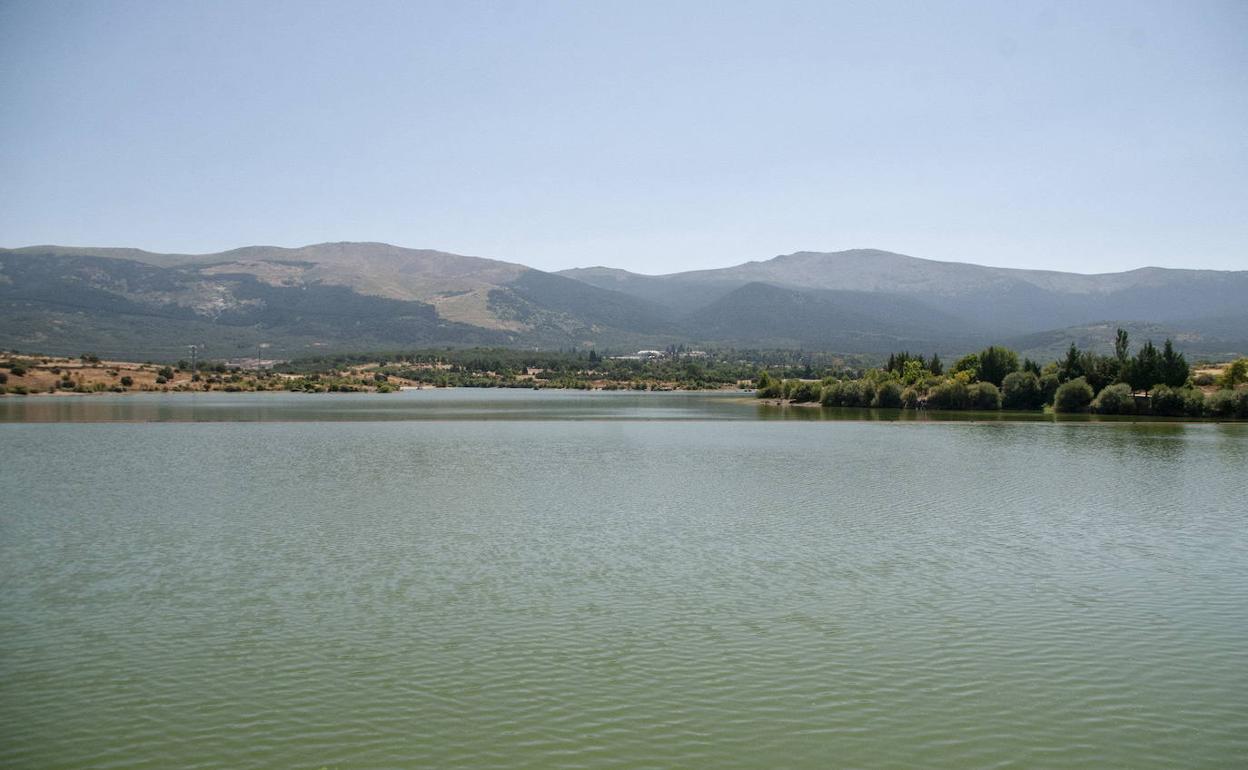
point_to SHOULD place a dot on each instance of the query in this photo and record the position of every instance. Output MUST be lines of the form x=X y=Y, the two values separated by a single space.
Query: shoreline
x=810 y=411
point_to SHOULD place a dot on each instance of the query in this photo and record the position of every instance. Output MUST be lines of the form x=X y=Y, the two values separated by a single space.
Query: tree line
x=1153 y=380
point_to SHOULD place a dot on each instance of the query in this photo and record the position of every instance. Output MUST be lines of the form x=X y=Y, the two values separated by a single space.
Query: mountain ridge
x=348 y=295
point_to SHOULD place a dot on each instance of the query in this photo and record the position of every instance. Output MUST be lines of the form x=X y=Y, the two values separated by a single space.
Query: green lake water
x=519 y=579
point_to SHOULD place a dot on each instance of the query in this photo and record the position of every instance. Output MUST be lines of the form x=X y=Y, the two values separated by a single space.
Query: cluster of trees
x=506 y=368
x=995 y=378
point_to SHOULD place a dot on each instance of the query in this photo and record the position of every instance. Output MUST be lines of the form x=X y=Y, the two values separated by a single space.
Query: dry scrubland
x=24 y=375
x=49 y=375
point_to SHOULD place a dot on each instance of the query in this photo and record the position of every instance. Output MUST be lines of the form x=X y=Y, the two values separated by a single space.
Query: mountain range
x=374 y=296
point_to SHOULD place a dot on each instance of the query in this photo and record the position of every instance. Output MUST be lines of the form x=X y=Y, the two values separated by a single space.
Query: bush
x=161 y=380
x=1073 y=396
x=1193 y=402
x=887 y=396
x=1049 y=383
x=851 y=393
x=951 y=394
x=769 y=387
x=18 y=370
x=1166 y=401
x=910 y=398
x=1204 y=378
x=1241 y=404
x=984 y=396
x=804 y=392
x=1021 y=390
x=1236 y=373
x=1221 y=403
x=4 y=378
x=127 y=381
x=1115 y=399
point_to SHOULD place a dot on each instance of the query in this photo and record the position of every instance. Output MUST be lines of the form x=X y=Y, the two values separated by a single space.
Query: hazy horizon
x=650 y=137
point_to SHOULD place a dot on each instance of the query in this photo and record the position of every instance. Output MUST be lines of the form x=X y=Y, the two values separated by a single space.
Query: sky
x=652 y=136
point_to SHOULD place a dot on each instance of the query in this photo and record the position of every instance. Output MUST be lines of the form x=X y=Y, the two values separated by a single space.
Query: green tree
x=935 y=366
x=1221 y=403
x=913 y=371
x=984 y=396
x=1021 y=390
x=1234 y=374
x=1099 y=371
x=1122 y=346
x=1070 y=367
x=950 y=394
x=1049 y=384
x=995 y=362
x=887 y=396
x=1144 y=371
x=968 y=363
x=804 y=391
x=768 y=386
x=1073 y=396
x=1172 y=368
x=1115 y=399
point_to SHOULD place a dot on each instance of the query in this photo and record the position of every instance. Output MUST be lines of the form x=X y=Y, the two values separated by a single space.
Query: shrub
x=18 y=370
x=1204 y=378
x=860 y=394
x=1073 y=396
x=887 y=396
x=910 y=398
x=1236 y=373
x=4 y=378
x=1049 y=384
x=1115 y=399
x=161 y=380
x=951 y=394
x=804 y=392
x=769 y=387
x=127 y=381
x=1193 y=402
x=1221 y=403
x=1241 y=404
x=984 y=396
x=1021 y=390
x=851 y=393
x=1166 y=401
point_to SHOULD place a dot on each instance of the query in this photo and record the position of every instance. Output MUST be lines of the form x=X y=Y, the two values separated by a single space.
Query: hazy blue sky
x=1088 y=136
